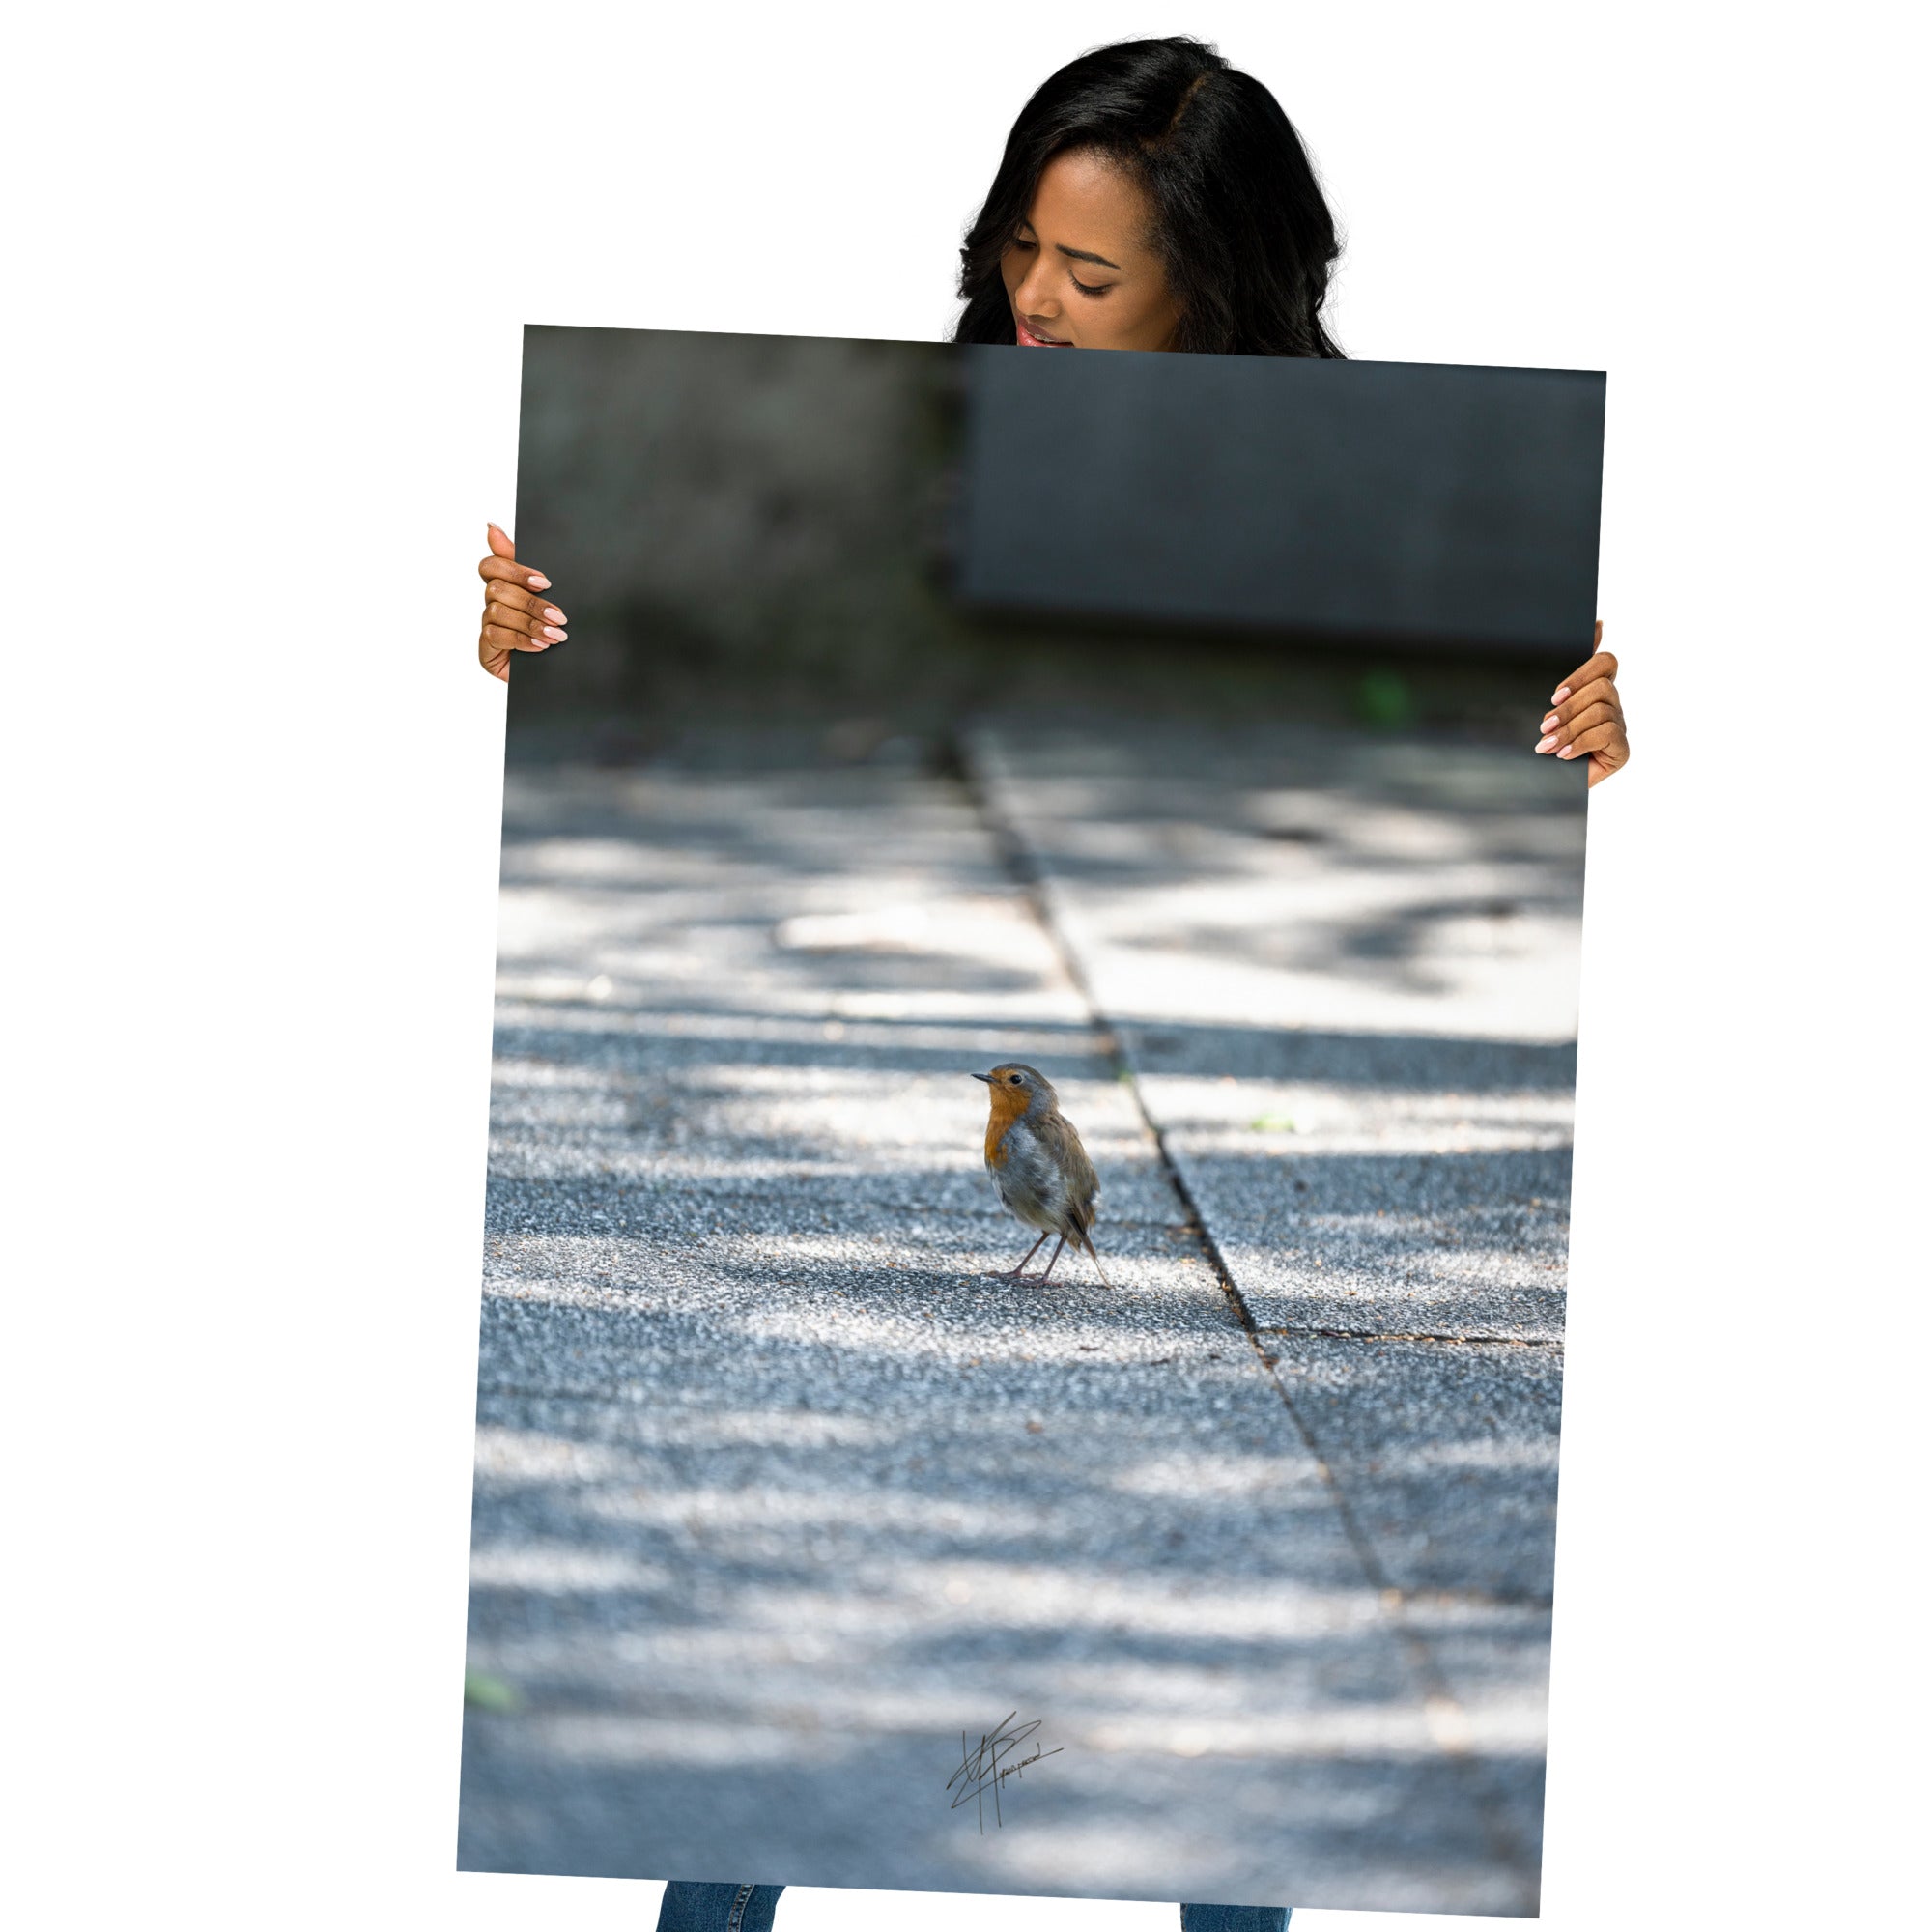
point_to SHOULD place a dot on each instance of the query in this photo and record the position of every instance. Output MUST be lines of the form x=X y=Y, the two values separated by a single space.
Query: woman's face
x=1078 y=271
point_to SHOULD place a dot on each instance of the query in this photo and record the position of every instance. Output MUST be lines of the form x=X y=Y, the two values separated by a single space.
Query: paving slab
x=1446 y=1452
x=1344 y=979
x=1439 y=1237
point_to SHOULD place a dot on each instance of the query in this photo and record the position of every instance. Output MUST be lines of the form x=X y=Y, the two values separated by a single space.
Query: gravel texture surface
x=780 y=1489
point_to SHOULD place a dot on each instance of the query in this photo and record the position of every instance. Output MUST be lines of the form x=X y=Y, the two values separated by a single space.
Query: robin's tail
x=1087 y=1242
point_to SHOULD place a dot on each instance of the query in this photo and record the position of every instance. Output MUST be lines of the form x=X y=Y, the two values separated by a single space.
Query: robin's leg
x=1013 y=1275
x=1054 y=1256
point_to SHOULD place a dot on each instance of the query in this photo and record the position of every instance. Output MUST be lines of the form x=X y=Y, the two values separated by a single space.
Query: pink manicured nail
x=556 y=635
x=1567 y=751
x=1544 y=743
x=1549 y=724
x=538 y=582
x=555 y=616
x=538 y=645
x=1560 y=694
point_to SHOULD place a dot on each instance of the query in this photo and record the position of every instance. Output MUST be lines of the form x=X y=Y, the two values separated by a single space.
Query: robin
x=1037 y=1164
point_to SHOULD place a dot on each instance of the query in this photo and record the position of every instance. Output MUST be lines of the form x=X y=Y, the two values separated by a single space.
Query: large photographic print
x=1024 y=1280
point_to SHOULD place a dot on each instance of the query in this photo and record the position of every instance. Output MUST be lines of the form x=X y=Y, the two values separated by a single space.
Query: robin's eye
x=1015 y=1078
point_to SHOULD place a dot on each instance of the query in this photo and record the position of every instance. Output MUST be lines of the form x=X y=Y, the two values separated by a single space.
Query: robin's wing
x=1083 y=1184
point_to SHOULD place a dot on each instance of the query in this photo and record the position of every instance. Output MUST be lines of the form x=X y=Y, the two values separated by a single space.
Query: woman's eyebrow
x=1087 y=255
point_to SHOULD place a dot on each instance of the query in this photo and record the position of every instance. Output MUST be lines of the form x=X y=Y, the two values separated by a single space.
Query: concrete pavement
x=778 y=1492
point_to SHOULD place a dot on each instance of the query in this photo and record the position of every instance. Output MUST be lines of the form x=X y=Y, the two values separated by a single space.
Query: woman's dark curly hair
x=1240 y=223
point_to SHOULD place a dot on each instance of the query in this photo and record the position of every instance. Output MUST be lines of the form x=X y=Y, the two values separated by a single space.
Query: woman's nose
x=1034 y=296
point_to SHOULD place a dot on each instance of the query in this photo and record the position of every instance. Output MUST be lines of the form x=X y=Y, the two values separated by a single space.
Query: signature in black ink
x=988 y=1764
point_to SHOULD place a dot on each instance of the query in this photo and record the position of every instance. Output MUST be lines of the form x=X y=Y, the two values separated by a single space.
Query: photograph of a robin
x=914 y=808
x=1040 y=1169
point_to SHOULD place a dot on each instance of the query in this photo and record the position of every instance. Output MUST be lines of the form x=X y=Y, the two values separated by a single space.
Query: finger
x=1586 y=720
x=1598 y=691
x=1604 y=738
x=503 y=595
x=500 y=570
x=1602 y=665
x=499 y=637
x=499 y=541
x=497 y=662
x=500 y=616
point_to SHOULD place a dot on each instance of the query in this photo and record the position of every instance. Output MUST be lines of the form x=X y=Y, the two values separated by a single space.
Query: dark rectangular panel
x=1395 y=499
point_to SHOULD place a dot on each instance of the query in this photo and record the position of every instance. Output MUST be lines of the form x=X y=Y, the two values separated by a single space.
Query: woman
x=1149 y=197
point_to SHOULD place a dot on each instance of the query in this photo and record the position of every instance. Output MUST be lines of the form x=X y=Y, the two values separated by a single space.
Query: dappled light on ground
x=779 y=1487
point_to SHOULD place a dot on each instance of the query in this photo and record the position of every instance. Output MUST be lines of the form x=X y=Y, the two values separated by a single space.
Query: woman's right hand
x=515 y=619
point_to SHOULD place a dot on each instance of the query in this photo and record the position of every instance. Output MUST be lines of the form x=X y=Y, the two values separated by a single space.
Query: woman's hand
x=515 y=619
x=1586 y=716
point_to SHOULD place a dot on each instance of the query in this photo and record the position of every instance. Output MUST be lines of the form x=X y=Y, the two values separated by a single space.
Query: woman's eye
x=1095 y=289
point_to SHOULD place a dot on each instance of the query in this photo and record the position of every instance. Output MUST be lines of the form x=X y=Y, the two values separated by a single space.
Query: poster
x=1156 y=730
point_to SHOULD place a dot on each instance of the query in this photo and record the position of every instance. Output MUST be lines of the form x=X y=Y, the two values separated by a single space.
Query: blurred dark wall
x=717 y=511
x=744 y=522
x=1441 y=504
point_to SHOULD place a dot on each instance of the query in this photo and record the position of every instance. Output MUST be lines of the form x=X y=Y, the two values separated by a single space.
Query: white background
x=270 y=266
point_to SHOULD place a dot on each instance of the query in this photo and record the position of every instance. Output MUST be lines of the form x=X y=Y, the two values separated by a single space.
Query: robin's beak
x=986 y=1077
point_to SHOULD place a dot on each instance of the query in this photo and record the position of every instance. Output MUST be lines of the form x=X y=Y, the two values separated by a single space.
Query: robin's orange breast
x=1009 y=1104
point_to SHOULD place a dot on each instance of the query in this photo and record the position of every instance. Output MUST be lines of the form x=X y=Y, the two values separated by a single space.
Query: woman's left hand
x=1586 y=716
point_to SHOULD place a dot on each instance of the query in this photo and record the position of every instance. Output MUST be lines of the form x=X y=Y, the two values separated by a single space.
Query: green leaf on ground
x=1273 y=1123
x=483 y=1692
x=1382 y=698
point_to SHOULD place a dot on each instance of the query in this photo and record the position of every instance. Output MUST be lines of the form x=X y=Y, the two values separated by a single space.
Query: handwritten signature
x=988 y=1764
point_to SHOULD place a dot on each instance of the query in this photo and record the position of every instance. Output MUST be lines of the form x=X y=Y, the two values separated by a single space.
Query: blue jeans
x=749 y=1908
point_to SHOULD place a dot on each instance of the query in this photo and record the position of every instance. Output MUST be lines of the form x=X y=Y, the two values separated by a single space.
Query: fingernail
x=1567 y=751
x=1557 y=695
x=497 y=528
x=538 y=582
x=555 y=616
x=556 y=635
x=538 y=645
x=1549 y=724
x=1543 y=743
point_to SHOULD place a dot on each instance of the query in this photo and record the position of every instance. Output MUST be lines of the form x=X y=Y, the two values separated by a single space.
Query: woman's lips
x=1030 y=339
